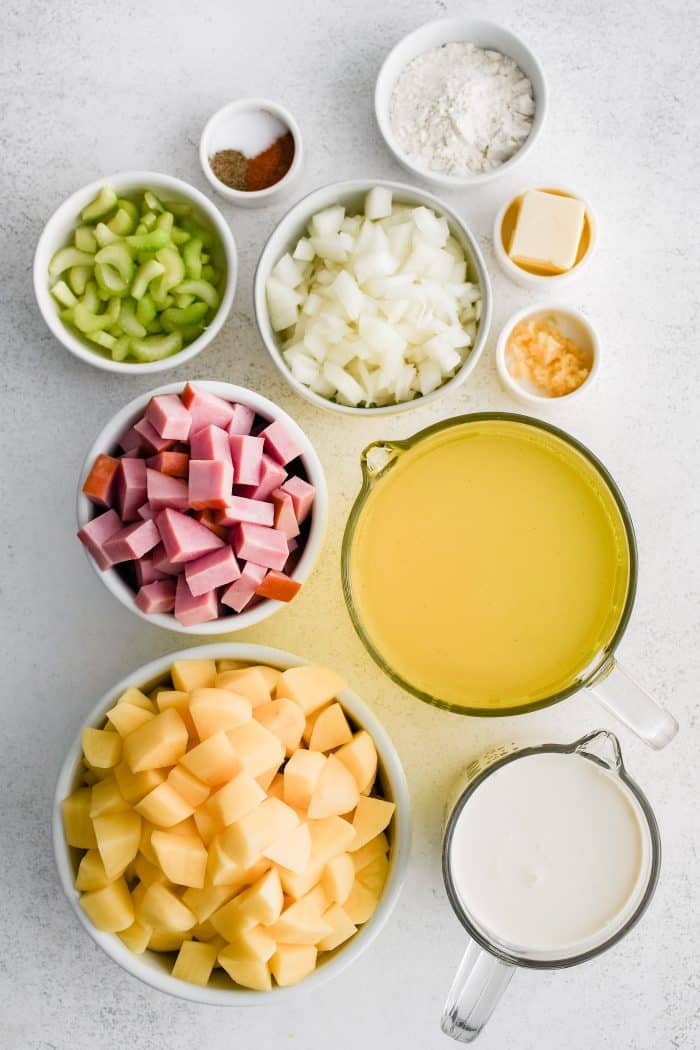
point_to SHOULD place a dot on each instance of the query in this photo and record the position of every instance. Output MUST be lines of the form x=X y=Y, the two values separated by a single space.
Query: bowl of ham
x=202 y=507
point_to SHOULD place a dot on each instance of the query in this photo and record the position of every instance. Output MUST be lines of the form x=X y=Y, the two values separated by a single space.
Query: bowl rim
x=73 y=203
x=304 y=207
x=133 y=964
x=107 y=438
x=514 y=387
x=383 y=90
x=285 y=116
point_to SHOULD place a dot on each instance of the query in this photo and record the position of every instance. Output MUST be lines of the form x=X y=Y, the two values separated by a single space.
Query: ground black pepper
x=230 y=167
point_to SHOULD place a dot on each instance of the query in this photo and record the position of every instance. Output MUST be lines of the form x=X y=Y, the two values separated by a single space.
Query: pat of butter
x=547 y=231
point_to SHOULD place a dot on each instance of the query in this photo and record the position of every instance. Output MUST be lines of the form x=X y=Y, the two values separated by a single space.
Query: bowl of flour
x=460 y=101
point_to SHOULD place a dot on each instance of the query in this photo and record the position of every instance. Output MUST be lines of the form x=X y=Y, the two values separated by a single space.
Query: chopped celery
x=84 y=239
x=160 y=295
x=87 y=321
x=105 y=236
x=157 y=347
x=151 y=201
x=118 y=257
x=102 y=205
x=202 y=290
x=174 y=318
x=78 y=277
x=65 y=258
x=148 y=242
x=155 y=327
x=174 y=268
x=130 y=208
x=165 y=221
x=102 y=339
x=62 y=294
x=179 y=208
x=209 y=274
x=183 y=301
x=178 y=236
x=205 y=258
x=145 y=309
x=128 y=320
x=190 y=332
x=144 y=275
x=90 y=298
x=192 y=258
x=122 y=223
x=148 y=219
x=121 y=348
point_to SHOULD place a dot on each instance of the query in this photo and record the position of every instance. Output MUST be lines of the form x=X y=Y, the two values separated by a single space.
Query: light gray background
x=91 y=88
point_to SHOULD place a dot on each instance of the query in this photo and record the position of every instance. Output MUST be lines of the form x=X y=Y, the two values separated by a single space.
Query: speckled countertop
x=91 y=88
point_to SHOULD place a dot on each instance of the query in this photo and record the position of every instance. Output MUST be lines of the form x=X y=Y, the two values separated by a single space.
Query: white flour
x=461 y=110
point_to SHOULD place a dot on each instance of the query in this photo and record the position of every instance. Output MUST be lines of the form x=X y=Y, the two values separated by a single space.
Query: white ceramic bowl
x=217 y=136
x=351 y=194
x=574 y=325
x=153 y=968
x=462 y=30
x=107 y=440
x=59 y=230
x=542 y=282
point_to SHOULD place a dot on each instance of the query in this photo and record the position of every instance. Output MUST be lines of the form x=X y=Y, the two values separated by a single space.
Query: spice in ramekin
x=265 y=169
x=539 y=352
x=230 y=166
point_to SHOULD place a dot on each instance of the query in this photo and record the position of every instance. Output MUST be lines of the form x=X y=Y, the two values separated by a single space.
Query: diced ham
x=239 y=508
x=302 y=494
x=246 y=453
x=211 y=571
x=208 y=518
x=96 y=533
x=206 y=408
x=132 y=541
x=278 y=587
x=146 y=512
x=169 y=417
x=176 y=464
x=164 y=491
x=184 y=539
x=211 y=443
x=261 y=545
x=146 y=571
x=280 y=443
x=152 y=441
x=156 y=597
x=100 y=485
x=191 y=610
x=242 y=590
x=131 y=488
x=242 y=420
x=163 y=565
x=272 y=476
x=285 y=518
x=210 y=483
x=131 y=442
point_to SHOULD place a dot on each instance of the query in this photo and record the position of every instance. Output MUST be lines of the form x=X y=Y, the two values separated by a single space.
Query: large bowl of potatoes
x=232 y=824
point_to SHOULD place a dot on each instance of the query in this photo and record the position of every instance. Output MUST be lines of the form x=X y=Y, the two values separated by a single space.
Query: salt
x=249 y=131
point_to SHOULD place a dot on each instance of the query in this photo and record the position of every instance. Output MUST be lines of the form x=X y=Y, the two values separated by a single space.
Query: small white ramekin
x=152 y=967
x=537 y=281
x=59 y=230
x=461 y=29
x=107 y=441
x=214 y=132
x=574 y=325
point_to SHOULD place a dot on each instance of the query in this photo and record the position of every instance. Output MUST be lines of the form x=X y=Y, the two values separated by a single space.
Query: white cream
x=550 y=855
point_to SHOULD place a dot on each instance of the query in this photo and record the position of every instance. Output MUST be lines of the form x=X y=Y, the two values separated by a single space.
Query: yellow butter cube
x=547 y=231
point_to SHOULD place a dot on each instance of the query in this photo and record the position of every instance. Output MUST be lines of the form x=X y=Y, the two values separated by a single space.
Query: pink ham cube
x=211 y=571
x=191 y=610
x=261 y=545
x=146 y=572
x=210 y=483
x=280 y=443
x=96 y=533
x=131 y=488
x=162 y=564
x=176 y=464
x=247 y=453
x=302 y=494
x=146 y=512
x=272 y=476
x=152 y=441
x=156 y=597
x=285 y=518
x=239 y=508
x=133 y=541
x=206 y=408
x=184 y=539
x=242 y=420
x=131 y=442
x=242 y=590
x=169 y=417
x=164 y=491
x=211 y=443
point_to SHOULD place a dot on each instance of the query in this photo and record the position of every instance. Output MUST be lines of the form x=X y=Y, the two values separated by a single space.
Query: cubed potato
x=265 y=779
x=246 y=681
x=292 y=850
x=182 y=858
x=374 y=874
x=127 y=717
x=301 y=775
x=178 y=700
x=251 y=943
x=276 y=787
x=342 y=928
x=376 y=847
x=360 y=903
x=335 y=793
x=213 y=761
x=163 y=910
x=167 y=940
x=118 y=836
x=236 y=799
x=195 y=962
x=135 y=786
x=217 y=710
x=270 y=674
x=298 y=883
x=310 y=687
x=291 y=963
x=164 y=807
x=360 y=758
x=137 y=699
x=372 y=815
x=338 y=877
x=160 y=742
x=101 y=748
x=188 y=786
x=329 y=837
x=260 y=903
x=247 y=973
x=146 y=871
x=136 y=937
x=204 y=931
x=208 y=826
x=203 y=903
x=256 y=748
x=302 y=921
x=91 y=872
x=193 y=674
x=285 y=719
x=109 y=909
x=228 y=665
x=186 y=827
x=246 y=838
x=330 y=729
x=107 y=798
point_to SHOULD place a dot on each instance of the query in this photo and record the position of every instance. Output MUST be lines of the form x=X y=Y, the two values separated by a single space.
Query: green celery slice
x=122 y=223
x=117 y=256
x=148 y=242
x=105 y=236
x=103 y=339
x=173 y=317
x=90 y=298
x=174 y=268
x=145 y=309
x=148 y=219
x=179 y=208
x=165 y=221
x=192 y=258
x=178 y=236
x=65 y=258
x=78 y=277
x=103 y=203
x=151 y=201
x=156 y=347
x=147 y=272
x=121 y=348
x=128 y=320
x=84 y=239
x=63 y=295
x=202 y=290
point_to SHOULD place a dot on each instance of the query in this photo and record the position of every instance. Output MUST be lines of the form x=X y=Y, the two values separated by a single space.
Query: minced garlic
x=539 y=352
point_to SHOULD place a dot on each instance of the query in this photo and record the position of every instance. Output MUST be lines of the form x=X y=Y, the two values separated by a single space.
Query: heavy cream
x=550 y=855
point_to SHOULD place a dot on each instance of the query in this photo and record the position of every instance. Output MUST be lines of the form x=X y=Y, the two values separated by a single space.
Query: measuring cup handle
x=478 y=985
x=619 y=692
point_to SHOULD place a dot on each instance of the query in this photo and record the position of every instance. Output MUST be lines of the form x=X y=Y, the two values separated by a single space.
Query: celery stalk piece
x=198 y=231
x=63 y=295
x=122 y=223
x=84 y=239
x=151 y=201
x=209 y=274
x=65 y=258
x=145 y=309
x=144 y=275
x=140 y=229
x=178 y=208
x=173 y=317
x=151 y=241
x=87 y=321
x=103 y=339
x=90 y=298
x=119 y=258
x=78 y=277
x=121 y=348
x=205 y=258
x=103 y=203
x=105 y=236
x=67 y=315
x=190 y=332
x=160 y=295
x=178 y=236
x=174 y=268
x=104 y=293
x=192 y=258
x=165 y=221
x=128 y=320
x=130 y=208
x=155 y=327
x=156 y=347
x=202 y=290
x=183 y=301
x=148 y=219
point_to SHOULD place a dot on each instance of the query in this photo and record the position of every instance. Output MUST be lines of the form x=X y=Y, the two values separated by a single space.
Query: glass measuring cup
x=488 y=966
x=601 y=673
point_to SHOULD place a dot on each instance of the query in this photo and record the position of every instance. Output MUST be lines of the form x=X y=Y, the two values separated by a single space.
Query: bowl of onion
x=372 y=297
